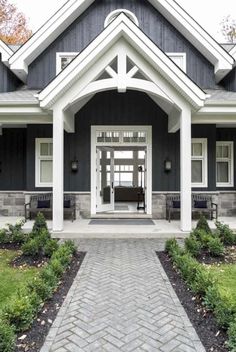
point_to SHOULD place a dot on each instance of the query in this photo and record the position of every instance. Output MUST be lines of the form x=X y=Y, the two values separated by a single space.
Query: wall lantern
x=74 y=165
x=167 y=165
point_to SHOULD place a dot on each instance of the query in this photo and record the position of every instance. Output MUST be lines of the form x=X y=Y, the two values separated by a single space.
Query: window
x=179 y=59
x=112 y=16
x=199 y=162
x=224 y=164
x=63 y=59
x=43 y=162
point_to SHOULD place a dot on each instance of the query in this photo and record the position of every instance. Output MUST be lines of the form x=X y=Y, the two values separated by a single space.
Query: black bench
x=43 y=203
x=200 y=204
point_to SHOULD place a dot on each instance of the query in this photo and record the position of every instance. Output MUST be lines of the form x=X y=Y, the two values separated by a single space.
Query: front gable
x=85 y=20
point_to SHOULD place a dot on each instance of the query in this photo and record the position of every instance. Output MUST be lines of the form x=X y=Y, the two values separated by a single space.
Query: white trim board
x=72 y=9
x=6 y=52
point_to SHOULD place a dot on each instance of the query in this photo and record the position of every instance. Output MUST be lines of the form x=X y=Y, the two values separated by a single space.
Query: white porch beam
x=69 y=122
x=173 y=121
x=58 y=169
x=185 y=170
x=122 y=71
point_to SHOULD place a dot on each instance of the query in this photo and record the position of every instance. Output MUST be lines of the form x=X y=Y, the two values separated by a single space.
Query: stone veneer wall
x=12 y=204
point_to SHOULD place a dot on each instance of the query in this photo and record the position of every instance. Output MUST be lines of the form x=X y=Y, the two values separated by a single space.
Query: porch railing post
x=58 y=169
x=185 y=170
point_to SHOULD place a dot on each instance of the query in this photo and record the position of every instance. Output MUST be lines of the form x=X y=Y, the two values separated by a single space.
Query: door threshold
x=121 y=216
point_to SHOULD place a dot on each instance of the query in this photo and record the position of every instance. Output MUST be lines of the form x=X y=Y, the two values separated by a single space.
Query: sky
x=208 y=13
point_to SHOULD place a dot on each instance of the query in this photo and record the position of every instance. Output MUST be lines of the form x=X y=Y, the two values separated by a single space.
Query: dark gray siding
x=8 y=81
x=229 y=82
x=79 y=34
x=12 y=159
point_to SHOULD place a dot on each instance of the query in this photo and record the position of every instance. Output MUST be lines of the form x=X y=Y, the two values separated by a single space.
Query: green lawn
x=226 y=278
x=12 y=278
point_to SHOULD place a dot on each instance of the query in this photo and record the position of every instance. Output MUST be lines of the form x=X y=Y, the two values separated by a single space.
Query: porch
x=87 y=228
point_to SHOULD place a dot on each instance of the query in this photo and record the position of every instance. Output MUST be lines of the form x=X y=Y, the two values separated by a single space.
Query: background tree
x=13 y=24
x=228 y=29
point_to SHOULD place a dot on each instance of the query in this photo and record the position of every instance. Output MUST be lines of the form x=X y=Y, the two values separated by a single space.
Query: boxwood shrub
x=7 y=337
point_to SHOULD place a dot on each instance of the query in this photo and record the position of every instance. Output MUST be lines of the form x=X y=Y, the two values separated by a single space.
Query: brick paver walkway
x=122 y=300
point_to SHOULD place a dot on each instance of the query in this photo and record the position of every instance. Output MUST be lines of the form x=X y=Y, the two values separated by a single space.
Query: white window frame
x=112 y=16
x=230 y=161
x=62 y=55
x=38 y=158
x=184 y=58
x=204 y=159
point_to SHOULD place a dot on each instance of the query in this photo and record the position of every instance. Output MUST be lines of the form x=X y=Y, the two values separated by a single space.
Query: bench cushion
x=43 y=204
x=176 y=204
x=67 y=203
x=200 y=204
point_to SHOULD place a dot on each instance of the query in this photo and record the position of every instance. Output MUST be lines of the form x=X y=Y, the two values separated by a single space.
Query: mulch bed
x=229 y=257
x=33 y=339
x=25 y=261
x=212 y=337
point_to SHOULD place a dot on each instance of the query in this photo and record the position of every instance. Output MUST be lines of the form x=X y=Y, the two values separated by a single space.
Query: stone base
x=12 y=204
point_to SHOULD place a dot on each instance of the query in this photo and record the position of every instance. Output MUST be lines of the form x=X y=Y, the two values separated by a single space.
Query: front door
x=105 y=179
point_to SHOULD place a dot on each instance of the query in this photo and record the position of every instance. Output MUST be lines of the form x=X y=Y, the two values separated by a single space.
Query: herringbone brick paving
x=122 y=300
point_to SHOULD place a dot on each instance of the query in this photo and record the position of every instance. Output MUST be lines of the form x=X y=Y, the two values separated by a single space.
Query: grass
x=226 y=279
x=12 y=278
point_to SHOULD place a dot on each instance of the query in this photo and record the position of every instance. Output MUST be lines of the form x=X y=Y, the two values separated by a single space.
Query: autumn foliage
x=13 y=24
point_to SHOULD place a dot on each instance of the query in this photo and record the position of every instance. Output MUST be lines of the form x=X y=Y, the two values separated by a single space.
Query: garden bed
x=213 y=338
x=33 y=339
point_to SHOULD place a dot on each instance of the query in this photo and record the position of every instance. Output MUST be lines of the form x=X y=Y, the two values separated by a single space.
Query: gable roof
x=122 y=30
x=5 y=51
x=74 y=8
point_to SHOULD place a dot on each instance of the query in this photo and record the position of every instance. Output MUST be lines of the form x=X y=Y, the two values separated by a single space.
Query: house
x=108 y=96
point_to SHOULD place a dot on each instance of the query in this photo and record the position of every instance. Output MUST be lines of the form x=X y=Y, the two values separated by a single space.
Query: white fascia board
x=18 y=109
x=233 y=52
x=191 y=30
x=6 y=52
x=217 y=110
x=28 y=52
x=122 y=27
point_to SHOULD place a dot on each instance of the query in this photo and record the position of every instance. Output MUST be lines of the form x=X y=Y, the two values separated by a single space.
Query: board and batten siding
x=85 y=28
x=8 y=81
x=13 y=159
x=229 y=82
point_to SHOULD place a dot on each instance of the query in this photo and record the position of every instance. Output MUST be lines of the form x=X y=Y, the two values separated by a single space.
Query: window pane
x=196 y=171
x=225 y=151
x=196 y=149
x=126 y=179
x=132 y=137
x=219 y=151
x=46 y=149
x=141 y=154
x=46 y=171
x=222 y=171
x=65 y=61
x=126 y=154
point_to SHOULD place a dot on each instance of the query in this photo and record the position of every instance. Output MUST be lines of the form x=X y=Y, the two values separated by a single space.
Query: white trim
x=6 y=52
x=72 y=9
x=184 y=60
x=61 y=55
x=112 y=15
x=233 y=52
x=148 y=145
x=204 y=159
x=38 y=158
x=122 y=27
x=230 y=162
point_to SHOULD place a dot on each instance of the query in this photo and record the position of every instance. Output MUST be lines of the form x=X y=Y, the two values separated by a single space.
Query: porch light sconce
x=168 y=165
x=74 y=165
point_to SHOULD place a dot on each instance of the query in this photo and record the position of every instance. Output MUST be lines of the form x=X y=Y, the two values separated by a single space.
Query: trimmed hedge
x=201 y=282
x=7 y=337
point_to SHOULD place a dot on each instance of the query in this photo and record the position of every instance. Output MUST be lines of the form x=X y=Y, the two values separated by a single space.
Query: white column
x=58 y=169
x=185 y=170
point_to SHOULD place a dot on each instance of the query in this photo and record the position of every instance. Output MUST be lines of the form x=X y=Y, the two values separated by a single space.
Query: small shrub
x=71 y=246
x=227 y=236
x=57 y=267
x=232 y=336
x=202 y=282
x=188 y=267
x=40 y=223
x=216 y=247
x=20 y=311
x=38 y=286
x=50 y=247
x=49 y=277
x=63 y=254
x=7 y=337
x=202 y=224
x=193 y=246
x=4 y=237
x=202 y=237
x=225 y=311
x=16 y=234
x=43 y=237
x=171 y=246
x=212 y=297
x=31 y=247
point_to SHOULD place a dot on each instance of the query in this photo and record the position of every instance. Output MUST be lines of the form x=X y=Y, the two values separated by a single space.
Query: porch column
x=185 y=170
x=58 y=169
